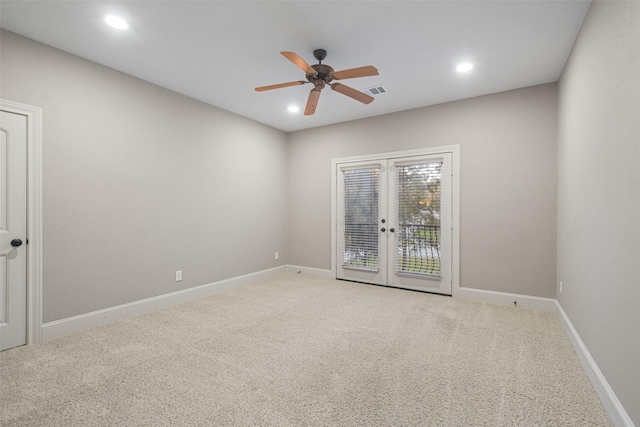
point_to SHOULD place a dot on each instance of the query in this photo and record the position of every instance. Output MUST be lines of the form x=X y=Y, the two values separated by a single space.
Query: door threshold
x=395 y=287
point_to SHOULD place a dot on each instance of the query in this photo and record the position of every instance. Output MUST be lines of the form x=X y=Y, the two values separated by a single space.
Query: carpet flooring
x=305 y=351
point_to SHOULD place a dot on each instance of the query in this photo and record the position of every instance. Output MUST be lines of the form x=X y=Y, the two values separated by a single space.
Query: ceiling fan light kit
x=321 y=75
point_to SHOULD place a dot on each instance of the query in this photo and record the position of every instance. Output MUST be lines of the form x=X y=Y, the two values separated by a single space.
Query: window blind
x=360 y=231
x=418 y=189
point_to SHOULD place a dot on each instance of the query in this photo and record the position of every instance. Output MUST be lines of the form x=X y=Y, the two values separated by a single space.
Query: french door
x=394 y=222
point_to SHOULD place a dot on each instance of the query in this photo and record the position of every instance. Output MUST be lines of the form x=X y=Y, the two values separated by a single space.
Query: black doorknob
x=16 y=242
x=392 y=230
x=383 y=229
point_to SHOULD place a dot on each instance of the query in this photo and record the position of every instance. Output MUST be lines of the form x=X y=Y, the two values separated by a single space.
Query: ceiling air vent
x=376 y=90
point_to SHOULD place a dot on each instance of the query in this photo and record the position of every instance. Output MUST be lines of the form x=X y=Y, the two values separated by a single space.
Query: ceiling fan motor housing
x=324 y=76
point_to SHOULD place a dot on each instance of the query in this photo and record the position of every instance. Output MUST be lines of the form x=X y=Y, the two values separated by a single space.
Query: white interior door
x=394 y=222
x=13 y=230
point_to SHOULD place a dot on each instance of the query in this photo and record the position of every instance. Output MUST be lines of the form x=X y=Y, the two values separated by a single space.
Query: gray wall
x=139 y=182
x=599 y=193
x=508 y=183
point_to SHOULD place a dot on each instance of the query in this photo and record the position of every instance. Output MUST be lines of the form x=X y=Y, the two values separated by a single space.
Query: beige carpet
x=300 y=351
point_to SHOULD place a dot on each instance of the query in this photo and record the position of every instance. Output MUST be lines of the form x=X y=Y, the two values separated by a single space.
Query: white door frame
x=455 y=235
x=34 y=215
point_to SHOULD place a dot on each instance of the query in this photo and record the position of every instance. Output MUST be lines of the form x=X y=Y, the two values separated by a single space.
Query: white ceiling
x=218 y=51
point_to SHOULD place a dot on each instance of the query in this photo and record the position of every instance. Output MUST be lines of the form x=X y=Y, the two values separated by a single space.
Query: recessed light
x=464 y=67
x=293 y=109
x=116 y=22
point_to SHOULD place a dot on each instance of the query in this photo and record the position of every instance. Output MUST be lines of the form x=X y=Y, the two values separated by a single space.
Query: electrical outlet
x=560 y=287
x=178 y=275
x=277 y=256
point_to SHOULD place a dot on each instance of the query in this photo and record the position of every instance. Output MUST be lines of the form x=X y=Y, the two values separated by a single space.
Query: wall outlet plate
x=178 y=275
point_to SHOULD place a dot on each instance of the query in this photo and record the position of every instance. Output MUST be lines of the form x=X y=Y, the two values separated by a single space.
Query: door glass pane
x=418 y=213
x=361 y=187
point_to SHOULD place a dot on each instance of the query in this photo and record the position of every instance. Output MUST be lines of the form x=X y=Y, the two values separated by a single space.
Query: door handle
x=392 y=230
x=383 y=229
x=16 y=242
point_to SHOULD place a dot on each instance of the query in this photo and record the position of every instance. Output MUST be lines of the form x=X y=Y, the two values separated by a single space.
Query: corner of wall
x=610 y=401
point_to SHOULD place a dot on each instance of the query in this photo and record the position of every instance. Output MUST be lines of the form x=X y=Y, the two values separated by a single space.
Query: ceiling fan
x=321 y=75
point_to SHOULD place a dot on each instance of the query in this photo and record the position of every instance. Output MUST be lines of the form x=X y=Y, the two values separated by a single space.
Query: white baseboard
x=70 y=325
x=310 y=271
x=612 y=405
x=526 y=301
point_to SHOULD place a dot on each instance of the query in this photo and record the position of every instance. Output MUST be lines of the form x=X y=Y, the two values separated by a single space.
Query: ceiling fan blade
x=312 y=102
x=351 y=73
x=300 y=63
x=278 y=86
x=352 y=93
